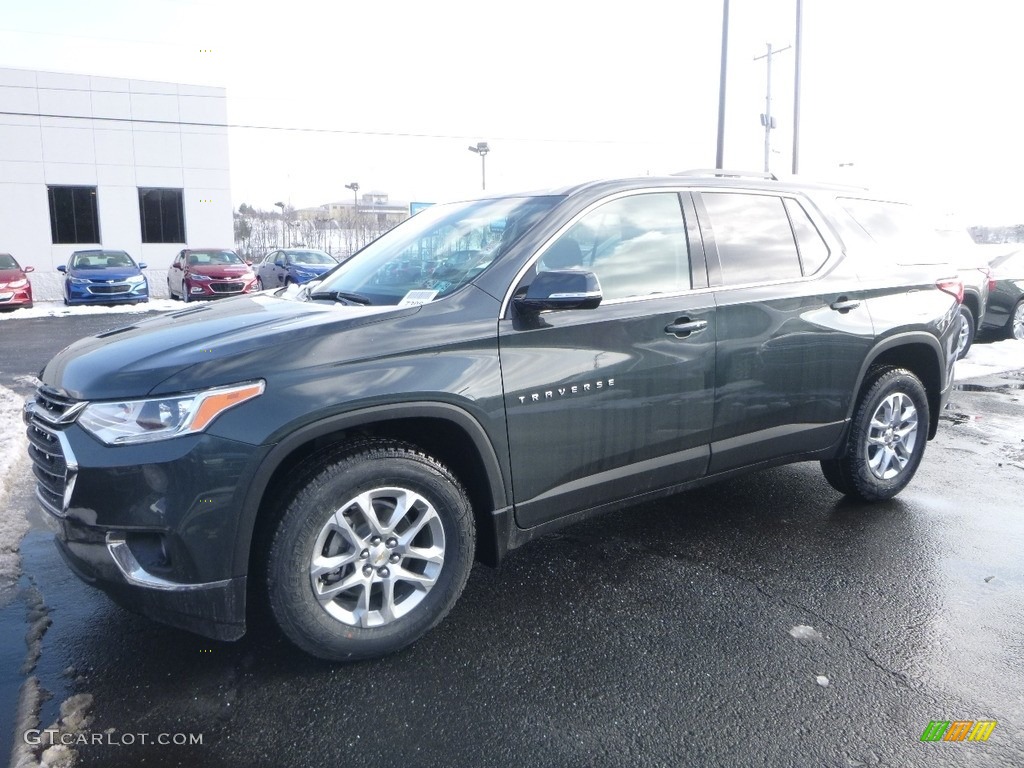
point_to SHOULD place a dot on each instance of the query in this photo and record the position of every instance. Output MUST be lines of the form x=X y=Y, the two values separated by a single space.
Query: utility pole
x=766 y=119
x=720 y=153
x=796 y=84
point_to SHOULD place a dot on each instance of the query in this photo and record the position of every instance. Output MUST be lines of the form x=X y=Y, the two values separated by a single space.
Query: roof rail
x=728 y=174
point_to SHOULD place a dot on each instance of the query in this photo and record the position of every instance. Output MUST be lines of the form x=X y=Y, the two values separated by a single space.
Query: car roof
x=705 y=179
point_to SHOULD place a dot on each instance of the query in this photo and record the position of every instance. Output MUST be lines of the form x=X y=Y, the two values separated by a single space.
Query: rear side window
x=754 y=239
x=813 y=250
x=899 y=229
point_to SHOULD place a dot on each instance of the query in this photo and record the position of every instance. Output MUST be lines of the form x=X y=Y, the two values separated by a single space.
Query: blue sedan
x=291 y=265
x=103 y=277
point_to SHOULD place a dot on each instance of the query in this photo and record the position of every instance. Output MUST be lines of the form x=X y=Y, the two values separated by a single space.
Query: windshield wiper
x=345 y=297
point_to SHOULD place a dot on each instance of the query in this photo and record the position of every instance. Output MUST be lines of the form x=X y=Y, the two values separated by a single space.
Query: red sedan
x=15 y=289
x=208 y=273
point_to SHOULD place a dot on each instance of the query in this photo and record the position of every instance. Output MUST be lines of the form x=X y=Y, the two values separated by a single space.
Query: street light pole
x=354 y=186
x=482 y=149
x=284 y=241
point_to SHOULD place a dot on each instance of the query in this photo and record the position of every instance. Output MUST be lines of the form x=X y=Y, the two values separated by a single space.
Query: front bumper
x=215 y=609
x=213 y=289
x=156 y=526
x=15 y=297
x=100 y=292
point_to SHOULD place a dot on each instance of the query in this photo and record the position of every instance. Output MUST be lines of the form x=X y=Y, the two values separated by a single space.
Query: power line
x=307 y=129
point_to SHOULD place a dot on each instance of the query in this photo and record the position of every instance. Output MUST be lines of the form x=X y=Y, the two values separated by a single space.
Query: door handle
x=684 y=327
x=843 y=304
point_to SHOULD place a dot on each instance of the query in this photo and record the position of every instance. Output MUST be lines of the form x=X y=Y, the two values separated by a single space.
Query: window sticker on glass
x=415 y=298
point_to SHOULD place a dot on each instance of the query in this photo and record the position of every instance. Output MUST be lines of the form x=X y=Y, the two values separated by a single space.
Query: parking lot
x=764 y=621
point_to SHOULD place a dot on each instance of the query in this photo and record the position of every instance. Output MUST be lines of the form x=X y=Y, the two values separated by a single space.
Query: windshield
x=211 y=258
x=435 y=252
x=100 y=259
x=309 y=257
x=7 y=261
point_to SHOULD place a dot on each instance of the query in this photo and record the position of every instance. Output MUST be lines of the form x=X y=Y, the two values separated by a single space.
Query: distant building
x=372 y=208
x=125 y=164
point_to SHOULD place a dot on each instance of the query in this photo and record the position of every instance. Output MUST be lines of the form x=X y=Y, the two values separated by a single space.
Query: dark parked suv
x=486 y=372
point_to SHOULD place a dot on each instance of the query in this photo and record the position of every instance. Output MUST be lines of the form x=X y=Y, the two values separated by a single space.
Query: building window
x=162 y=214
x=73 y=217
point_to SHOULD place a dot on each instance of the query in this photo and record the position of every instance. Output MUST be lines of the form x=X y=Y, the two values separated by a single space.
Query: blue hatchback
x=104 y=277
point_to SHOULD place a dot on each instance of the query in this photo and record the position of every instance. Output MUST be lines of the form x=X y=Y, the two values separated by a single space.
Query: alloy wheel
x=377 y=557
x=892 y=436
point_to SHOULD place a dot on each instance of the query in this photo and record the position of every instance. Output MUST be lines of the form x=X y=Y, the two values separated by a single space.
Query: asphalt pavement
x=765 y=621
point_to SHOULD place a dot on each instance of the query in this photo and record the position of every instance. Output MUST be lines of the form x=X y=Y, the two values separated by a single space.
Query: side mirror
x=29 y=269
x=142 y=265
x=562 y=289
x=62 y=268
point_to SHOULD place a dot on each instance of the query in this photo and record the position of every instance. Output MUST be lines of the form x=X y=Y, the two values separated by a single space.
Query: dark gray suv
x=486 y=372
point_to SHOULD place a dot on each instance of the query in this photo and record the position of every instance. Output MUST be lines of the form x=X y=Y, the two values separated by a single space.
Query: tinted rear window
x=902 y=232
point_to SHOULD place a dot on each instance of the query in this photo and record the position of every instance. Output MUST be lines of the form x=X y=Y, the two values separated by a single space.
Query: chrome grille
x=53 y=462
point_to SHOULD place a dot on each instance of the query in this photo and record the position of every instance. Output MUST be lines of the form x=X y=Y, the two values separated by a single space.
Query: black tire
x=327 y=519
x=259 y=284
x=170 y=291
x=967 y=330
x=879 y=460
x=184 y=293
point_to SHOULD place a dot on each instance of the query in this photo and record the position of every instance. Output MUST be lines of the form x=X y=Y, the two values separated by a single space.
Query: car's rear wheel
x=259 y=284
x=1015 y=327
x=887 y=437
x=966 y=337
x=371 y=553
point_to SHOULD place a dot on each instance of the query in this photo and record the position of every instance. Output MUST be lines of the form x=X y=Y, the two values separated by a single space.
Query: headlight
x=161 y=418
x=194 y=276
x=136 y=279
x=18 y=284
x=79 y=280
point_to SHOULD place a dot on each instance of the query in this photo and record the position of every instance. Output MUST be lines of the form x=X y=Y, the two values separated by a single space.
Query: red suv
x=208 y=273
x=15 y=289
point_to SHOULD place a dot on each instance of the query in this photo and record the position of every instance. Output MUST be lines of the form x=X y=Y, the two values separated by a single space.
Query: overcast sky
x=923 y=98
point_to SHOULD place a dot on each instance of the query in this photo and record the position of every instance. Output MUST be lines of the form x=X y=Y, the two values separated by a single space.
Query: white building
x=89 y=162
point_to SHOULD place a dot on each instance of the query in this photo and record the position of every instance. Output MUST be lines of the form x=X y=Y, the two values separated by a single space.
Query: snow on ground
x=989 y=359
x=13 y=460
x=57 y=309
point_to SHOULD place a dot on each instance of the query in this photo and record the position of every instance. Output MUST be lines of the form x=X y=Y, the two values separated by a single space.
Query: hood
x=212 y=344
x=11 y=275
x=103 y=274
x=220 y=270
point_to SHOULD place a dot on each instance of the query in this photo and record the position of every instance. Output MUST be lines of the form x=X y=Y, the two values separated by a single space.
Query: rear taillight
x=954 y=286
x=988 y=274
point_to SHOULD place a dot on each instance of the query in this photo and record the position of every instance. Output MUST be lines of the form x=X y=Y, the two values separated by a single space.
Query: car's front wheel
x=886 y=439
x=259 y=283
x=371 y=553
